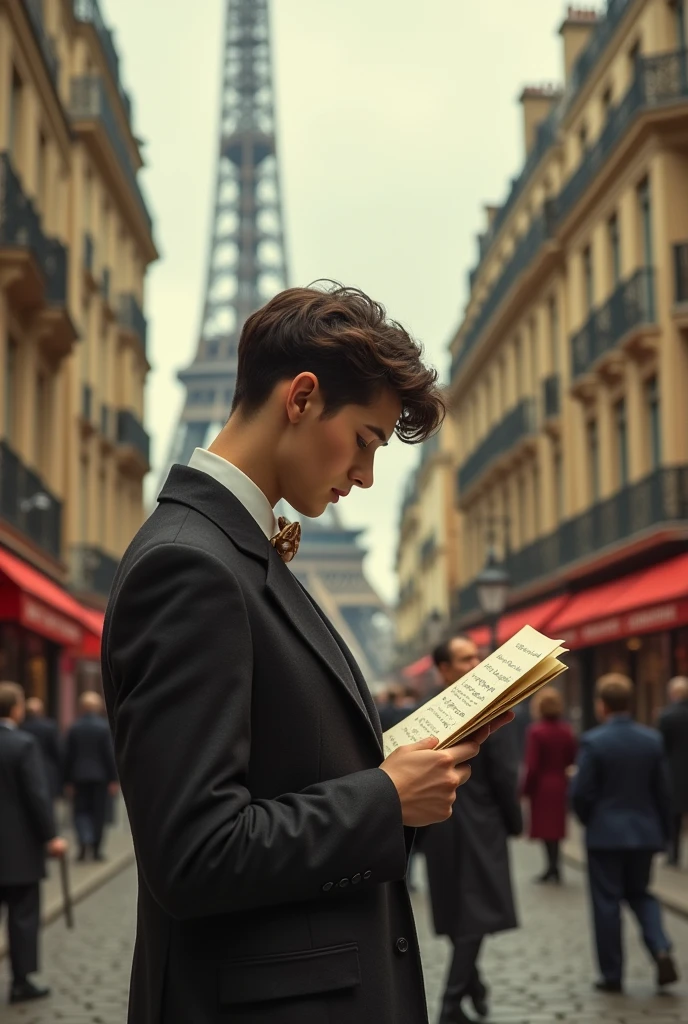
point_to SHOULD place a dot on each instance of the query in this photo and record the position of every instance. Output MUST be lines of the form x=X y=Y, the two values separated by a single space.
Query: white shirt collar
x=241 y=486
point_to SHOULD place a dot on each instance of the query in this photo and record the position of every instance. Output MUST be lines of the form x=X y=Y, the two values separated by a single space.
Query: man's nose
x=362 y=476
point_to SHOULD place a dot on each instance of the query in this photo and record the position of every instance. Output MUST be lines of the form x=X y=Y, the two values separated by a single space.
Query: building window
x=634 y=54
x=593 y=460
x=10 y=389
x=621 y=441
x=559 y=485
x=653 y=415
x=645 y=210
x=681 y=32
x=534 y=361
x=554 y=333
x=614 y=248
x=588 y=279
x=14 y=133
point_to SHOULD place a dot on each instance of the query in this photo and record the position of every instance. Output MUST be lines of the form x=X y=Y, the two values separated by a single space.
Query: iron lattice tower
x=247 y=263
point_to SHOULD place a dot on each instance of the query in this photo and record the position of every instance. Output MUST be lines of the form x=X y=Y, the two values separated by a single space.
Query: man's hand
x=427 y=779
x=57 y=847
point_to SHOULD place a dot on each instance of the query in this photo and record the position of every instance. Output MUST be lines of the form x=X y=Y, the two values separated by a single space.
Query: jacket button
x=344 y=882
x=327 y=886
x=367 y=875
x=402 y=945
x=356 y=879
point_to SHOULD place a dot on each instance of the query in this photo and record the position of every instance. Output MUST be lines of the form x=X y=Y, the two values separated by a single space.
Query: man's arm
x=180 y=653
x=585 y=784
x=33 y=787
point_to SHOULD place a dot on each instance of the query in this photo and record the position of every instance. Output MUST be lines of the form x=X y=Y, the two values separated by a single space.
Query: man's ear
x=302 y=390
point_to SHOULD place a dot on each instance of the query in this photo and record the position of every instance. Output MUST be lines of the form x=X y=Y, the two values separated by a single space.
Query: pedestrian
x=271 y=836
x=550 y=752
x=621 y=795
x=48 y=736
x=27 y=834
x=673 y=725
x=467 y=856
x=90 y=774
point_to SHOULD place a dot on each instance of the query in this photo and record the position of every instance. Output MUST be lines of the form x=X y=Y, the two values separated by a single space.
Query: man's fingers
x=504 y=719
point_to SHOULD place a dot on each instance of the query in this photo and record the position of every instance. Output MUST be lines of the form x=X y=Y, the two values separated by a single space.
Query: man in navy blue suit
x=621 y=795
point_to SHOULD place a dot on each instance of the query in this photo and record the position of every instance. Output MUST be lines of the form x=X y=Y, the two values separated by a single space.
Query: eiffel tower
x=247 y=265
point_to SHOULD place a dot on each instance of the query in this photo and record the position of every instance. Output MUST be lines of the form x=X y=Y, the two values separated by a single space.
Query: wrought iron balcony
x=20 y=229
x=518 y=424
x=130 y=317
x=551 y=396
x=92 y=570
x=130 y=434
x=681 y=271
x=89 y=101
x=34 y=9
x=19 y=487
x=661 y=497
x=631 y=305
x=88 y=12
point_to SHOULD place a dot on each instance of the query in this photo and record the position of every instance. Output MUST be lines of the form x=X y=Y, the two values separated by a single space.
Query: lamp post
x=492 y=584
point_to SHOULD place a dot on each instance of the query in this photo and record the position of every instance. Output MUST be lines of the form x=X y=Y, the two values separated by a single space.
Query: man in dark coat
x=467 y=856
x=621 y=795
x=271 y=837
x=673 y=725
x=90 y=773
x=27 y=833
x=47 y=734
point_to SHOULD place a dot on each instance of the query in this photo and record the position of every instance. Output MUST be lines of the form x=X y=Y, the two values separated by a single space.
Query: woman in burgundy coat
x=550 y=751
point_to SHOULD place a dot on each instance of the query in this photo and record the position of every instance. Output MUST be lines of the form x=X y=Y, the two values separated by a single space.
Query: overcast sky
x=397 y=121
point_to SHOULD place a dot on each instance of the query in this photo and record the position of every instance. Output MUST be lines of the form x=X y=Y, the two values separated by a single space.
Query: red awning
x=538 y=616
x=647 y=601
x=38 y=603
x=93 y=622
x=423 y=664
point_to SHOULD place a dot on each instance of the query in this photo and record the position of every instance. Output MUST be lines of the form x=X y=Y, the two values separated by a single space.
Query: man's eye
x=361 y=441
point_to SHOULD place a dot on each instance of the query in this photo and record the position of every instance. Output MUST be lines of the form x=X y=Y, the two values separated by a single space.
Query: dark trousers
x=675 y=844
x=23 y=917
x=617 y=875
x=552 y=852
x=90 y=805
x=463 y=978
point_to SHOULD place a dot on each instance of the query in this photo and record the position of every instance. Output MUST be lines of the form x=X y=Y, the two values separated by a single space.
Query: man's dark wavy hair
x=345 y=339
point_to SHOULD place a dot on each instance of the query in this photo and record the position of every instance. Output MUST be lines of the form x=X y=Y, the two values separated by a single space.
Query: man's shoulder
x=15 y=741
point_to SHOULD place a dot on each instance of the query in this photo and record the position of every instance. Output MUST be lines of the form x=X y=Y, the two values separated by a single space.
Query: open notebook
x=512 y=673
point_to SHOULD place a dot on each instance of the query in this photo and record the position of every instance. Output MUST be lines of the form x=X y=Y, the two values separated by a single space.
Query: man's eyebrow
x=379 y=432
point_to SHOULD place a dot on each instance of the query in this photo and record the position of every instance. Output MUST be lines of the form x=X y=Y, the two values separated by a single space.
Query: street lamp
x=492 y=585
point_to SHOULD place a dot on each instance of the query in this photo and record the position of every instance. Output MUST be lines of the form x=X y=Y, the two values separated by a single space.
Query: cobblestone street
x=540 y=975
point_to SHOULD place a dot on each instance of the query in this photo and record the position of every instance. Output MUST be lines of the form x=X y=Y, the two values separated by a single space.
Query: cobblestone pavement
x=539 y=975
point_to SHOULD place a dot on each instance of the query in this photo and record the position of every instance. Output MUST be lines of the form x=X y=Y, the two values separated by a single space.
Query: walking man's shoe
x=608 y=986
x=25 y=990
x=666 y=969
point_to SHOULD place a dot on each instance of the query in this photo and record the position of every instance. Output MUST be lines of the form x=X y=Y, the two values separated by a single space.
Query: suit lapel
x=300 y=610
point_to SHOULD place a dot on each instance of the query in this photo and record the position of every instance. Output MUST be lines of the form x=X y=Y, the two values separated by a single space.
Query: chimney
x=576 y=31
x=537 y=101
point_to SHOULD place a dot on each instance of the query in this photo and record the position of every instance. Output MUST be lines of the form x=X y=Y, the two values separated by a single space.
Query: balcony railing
x=88 y=12
x=521 y=422
x=34 y=9
x=20 y=227
x=19 y=487
x=130 y=317
x=631 y=305
x=88 y=102
x=661 y=497
x=658 y=81
x=92 y=570
x=130 y=432
x=551 y=396
x=681 y=271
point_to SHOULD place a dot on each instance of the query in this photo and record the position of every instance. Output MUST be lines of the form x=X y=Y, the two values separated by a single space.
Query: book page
x=471 y=697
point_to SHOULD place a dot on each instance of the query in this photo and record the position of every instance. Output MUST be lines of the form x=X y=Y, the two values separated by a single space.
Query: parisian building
x=76 y=237
x=569 y=370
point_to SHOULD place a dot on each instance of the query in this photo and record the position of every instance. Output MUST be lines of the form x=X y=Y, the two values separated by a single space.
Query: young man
x=468 y=901
x=271 y=837
x=27 y=833
x=621 y=795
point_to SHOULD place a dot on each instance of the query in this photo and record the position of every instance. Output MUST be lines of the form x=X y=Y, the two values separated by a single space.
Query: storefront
x=46 y=637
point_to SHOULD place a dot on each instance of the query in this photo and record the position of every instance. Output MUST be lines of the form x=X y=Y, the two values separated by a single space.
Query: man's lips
x=339 y=494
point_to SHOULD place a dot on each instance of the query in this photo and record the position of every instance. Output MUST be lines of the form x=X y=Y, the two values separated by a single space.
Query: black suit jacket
x=89 y=756
x=673 y=725
x=47 y=734
x=26 y=813
x=270 y=846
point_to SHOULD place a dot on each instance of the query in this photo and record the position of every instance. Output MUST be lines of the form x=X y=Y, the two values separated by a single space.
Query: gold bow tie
x=286 y=542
